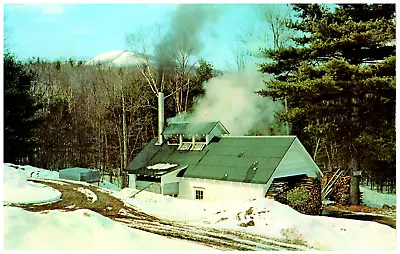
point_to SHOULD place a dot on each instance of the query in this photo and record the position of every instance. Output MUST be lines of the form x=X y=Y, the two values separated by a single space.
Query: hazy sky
x=81 y=31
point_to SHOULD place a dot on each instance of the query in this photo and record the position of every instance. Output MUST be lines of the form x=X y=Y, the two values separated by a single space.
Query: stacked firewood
x=312 y=205
x=277 y=189
x=340 y=190
x=306 y=182
x=303 y=195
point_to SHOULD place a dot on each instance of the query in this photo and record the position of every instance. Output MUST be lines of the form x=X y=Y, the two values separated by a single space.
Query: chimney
x=160 y=118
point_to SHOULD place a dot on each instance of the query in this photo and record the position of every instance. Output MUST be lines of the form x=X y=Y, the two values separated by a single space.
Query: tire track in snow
x=77 y=195
x=89 y=194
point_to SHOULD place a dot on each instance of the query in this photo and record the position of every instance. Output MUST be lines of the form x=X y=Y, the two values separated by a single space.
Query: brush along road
x=74 y=196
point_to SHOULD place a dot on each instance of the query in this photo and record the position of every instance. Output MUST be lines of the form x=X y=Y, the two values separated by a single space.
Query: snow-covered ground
x=374 y=198
x=84 y=229
x=17 y=190
x=79 y=230
x=271 y=219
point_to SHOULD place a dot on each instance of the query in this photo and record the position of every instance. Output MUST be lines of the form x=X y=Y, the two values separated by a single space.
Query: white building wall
x=132 y=181
x=171 y=177
x=220 y=190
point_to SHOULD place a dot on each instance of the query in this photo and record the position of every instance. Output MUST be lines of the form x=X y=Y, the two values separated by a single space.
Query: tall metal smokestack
x=160 y=117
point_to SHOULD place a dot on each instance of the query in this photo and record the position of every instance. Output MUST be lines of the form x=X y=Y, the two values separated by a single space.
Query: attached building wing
x=199 y=128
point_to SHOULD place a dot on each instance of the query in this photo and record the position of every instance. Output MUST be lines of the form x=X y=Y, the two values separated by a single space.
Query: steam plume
x=184 y=34
x=231 y=99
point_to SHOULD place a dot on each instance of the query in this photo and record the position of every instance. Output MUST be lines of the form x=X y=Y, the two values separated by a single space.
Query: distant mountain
x=123 y=58
x=117 y=58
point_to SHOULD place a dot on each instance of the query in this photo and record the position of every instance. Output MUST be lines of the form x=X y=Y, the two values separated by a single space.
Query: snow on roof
x=162 y=166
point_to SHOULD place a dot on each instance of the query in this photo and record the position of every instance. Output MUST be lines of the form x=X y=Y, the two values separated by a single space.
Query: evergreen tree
x=339 y=81
x=19 y=111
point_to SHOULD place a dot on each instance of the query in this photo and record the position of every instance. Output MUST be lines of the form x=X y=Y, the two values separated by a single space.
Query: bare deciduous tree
x=272 y=29
x=277 y=17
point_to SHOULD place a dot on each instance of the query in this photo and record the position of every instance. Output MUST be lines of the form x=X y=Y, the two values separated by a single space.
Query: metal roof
x=77 y=170
x=193 y=128
x=238 y=159
x=158 y=173
x=80 y=174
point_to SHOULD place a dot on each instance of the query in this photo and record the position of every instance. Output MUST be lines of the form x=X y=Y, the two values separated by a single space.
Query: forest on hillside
x=87 y=116
x=334 y=72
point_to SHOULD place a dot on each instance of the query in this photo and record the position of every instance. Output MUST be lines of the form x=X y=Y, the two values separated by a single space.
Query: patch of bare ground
x=72 y=199
x=385 y=215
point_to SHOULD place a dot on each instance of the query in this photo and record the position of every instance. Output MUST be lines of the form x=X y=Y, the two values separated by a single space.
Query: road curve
x=73 y=198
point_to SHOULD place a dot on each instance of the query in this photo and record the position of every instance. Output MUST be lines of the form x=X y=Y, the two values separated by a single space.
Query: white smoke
x=232 y=99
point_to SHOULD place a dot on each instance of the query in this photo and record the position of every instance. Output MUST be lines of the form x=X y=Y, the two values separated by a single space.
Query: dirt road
x=81 y=196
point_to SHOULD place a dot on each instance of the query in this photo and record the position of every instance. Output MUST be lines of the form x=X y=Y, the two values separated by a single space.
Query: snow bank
x=29 y=171
x=270 y=218
x=273 y=219
x=374 y=198
x=106 y=184
x=169 y=207
x=79 y=230
x=33 y=172
x=18 y=190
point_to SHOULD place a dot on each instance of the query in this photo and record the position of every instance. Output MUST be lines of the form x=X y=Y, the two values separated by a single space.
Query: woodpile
x=336 y=187
x=302 y=194
x=313 y=204
x=306 y=182
x=276 y=189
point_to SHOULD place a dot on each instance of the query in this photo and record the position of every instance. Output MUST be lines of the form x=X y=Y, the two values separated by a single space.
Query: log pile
x=312 y=205
x=277 y=189
x=339 y=191
x=306 y=182
x=303 y=195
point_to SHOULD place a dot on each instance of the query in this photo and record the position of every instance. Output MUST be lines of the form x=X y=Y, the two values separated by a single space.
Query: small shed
x=80 y=174
x=161 y=178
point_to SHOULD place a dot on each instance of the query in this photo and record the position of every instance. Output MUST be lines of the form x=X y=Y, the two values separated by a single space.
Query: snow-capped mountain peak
x=117 y=58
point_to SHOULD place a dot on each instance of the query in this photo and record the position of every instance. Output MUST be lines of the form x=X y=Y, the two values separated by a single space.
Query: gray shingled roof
x=193 y=128
x=237 y=159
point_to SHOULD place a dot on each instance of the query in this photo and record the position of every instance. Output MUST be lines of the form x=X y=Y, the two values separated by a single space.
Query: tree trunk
x=354 y=181
x=106 y=152
x=124 y=135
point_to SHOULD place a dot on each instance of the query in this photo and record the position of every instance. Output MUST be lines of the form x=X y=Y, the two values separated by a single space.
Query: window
x=198 y=146
x=184 y=146
x=172 y=139
x=199 y=194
